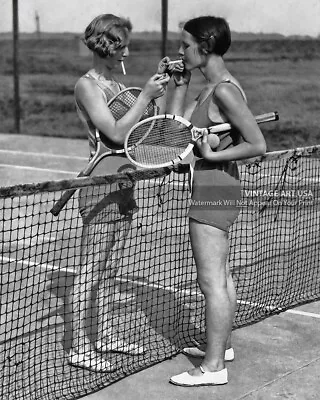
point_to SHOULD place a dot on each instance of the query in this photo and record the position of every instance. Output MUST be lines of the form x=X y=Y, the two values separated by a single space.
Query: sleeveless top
x=213 y=182
x=93 y=201
x=108 y=89
x=201 y=118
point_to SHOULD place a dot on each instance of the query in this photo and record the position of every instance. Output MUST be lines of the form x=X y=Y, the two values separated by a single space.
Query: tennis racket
x=165 y=140
x=119 y=105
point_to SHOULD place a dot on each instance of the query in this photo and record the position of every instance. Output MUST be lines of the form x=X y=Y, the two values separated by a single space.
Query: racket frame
x=196 y=134
x=101 y=151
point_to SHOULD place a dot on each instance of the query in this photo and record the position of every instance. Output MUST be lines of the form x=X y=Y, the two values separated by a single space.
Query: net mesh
x=116 y=267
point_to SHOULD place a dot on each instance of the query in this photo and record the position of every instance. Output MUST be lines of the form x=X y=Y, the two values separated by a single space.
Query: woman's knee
x=212 y=284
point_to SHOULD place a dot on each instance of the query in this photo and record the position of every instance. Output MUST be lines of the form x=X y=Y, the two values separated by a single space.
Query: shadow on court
x=278 y=358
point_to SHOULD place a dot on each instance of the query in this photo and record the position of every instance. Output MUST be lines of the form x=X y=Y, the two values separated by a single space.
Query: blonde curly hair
x=106 y=33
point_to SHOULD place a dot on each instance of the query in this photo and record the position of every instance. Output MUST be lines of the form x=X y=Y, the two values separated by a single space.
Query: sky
x=287 y=17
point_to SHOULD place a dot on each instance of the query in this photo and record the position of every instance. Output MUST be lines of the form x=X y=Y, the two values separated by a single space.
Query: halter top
x=202 y=117
x=109 y=89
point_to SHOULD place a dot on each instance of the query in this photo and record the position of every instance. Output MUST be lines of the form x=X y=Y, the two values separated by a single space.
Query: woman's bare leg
x=92 y=265
x=210 y=249
x=232 y=298
x=233 y=301
x=108 y=287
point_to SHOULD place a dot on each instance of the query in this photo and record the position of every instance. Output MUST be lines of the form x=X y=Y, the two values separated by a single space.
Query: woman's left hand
x=164 y=67
x=206 y=150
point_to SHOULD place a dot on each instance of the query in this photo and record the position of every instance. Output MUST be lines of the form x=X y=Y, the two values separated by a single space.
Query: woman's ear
x=207 y=46
x=203 y=47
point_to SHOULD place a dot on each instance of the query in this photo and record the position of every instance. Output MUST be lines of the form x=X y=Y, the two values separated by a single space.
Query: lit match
x=123 y=68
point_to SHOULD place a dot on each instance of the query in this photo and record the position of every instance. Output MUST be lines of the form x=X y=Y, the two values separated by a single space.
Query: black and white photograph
x=159 y=200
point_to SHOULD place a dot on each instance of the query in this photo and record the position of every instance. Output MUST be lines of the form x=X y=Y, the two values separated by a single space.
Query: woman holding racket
x=204 y=41
x=106 y=211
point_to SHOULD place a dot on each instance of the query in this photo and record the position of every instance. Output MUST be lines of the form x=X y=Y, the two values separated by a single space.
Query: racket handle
x=272 y=116
x=66 y=196
x=58 y=206
x=261 y=118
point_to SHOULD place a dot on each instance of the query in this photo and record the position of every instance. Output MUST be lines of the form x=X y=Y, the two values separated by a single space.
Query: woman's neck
x=102 y=75
x=101 y=69
x=215 y=70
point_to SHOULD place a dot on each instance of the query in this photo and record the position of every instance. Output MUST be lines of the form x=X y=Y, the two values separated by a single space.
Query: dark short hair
x=106 y=33
x=212 y=33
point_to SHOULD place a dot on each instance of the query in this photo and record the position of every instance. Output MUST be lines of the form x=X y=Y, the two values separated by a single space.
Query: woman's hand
x=180 y=75
x=164 y=67
x=156 y=86
x=207 y=144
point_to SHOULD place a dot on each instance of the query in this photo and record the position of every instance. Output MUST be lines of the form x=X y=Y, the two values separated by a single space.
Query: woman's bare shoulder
x=85 y=86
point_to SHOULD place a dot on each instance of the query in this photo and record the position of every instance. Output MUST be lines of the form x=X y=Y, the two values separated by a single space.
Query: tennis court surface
x=275 y=259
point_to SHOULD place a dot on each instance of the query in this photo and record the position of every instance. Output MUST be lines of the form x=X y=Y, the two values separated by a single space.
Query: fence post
x=15 y=14
x=164 y=27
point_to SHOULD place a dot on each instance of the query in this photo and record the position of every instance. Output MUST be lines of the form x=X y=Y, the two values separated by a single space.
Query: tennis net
x=116 y=266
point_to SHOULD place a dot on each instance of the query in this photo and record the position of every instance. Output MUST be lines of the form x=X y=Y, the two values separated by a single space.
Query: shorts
x=216 y=194
x=108 y=202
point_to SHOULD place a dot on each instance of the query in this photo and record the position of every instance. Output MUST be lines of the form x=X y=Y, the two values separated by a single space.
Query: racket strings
x=158 y=141
x=125 y=100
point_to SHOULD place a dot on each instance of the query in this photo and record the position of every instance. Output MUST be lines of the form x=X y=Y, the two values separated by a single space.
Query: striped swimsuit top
x=108 y=89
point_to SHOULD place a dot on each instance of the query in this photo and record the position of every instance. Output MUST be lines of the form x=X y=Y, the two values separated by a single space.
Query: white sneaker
x=196 y=352
x=119 y=346
x=205 y=379
x=89 y=360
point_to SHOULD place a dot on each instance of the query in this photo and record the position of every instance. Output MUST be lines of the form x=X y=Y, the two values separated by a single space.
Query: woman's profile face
x=189 y=51
x=114 y=60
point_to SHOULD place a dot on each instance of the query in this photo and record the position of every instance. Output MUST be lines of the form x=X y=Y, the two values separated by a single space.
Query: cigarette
x=123 y=68
x=175 y=62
